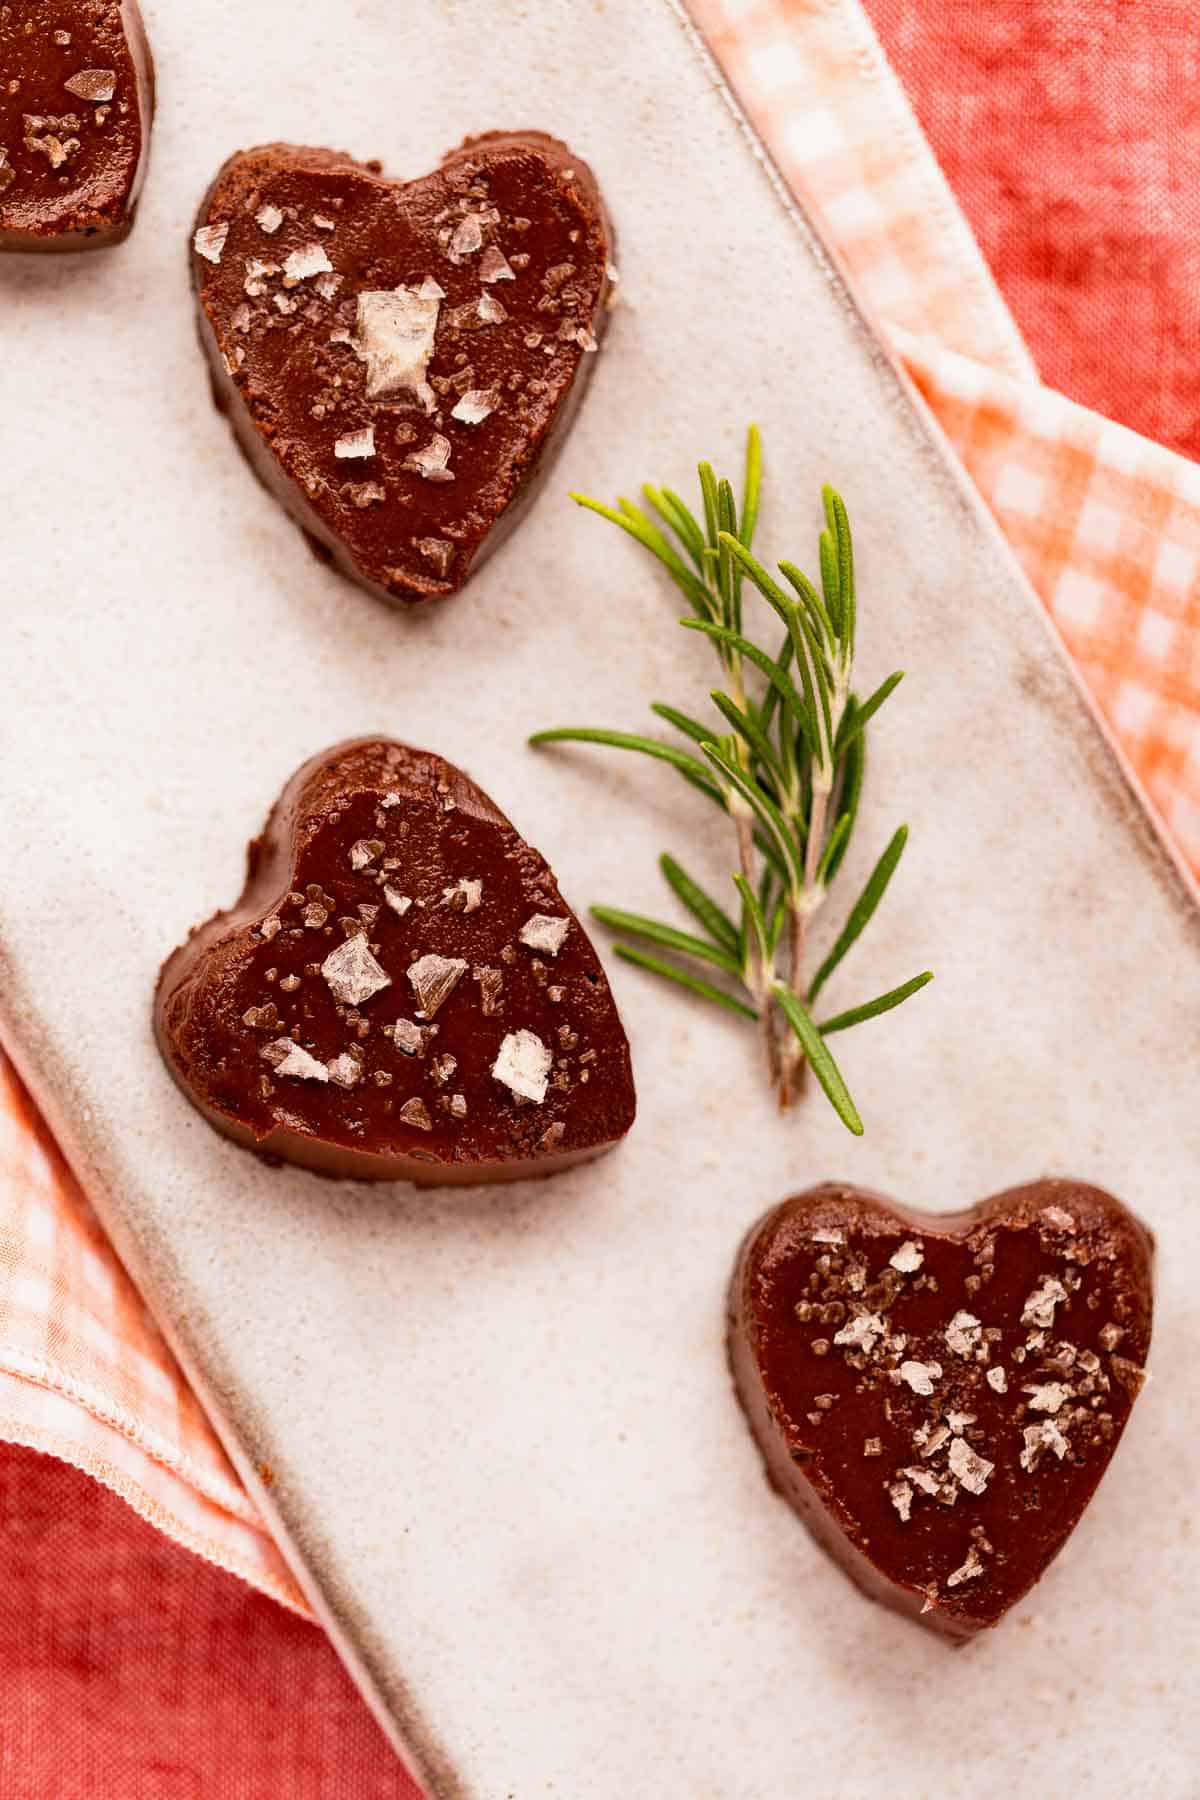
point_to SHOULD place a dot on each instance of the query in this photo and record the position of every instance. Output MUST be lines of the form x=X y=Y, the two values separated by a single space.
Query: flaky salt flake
x=493 y=267
x=925 y=1479
x=324 y=224
x=457 y=1106
x=1059 y=1218
x=997 y=1380
x=1110 y=1336
x=930 y=1438
x=873 y=1447
x=920 y=1377
x=415 y=1112
x=1039 y=1438
x=93 y=84
x=968 y=1468
x=408 y=1037
x=344 y=1070
x=288 y=1058
x=827 y=1234
x=240 y=319
x=465 y=896
x=327 y=286
x=545 y=932
x=476 y=405
x=271 y=926
x=268 y=219
x=398 y=902
x=310 y=259
x=963 y=1333
x=438 y=552
x=1039 y=1307
x=430 y=290
x=585 y=340
x=364 y=851
x=434 y=979
x=352 y=973
x=490 y=310
x=967 y=1571
x=1048 y=1396
x=257 y=272
x=209 y=241
x=430 y=461
x=466 y=239
x=356 y=443
x=394 y=331
x=861 y=1331
x=523 y=1065
x=901 y=1497
x=908 y=1258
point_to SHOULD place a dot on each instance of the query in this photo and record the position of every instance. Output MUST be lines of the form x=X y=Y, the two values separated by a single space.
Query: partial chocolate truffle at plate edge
x=398 y=359
x=401 y=992
x=938 y=1397
x=76 y=100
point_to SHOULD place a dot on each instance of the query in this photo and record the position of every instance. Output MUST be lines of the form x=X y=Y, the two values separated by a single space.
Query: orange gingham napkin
x=1106 y=524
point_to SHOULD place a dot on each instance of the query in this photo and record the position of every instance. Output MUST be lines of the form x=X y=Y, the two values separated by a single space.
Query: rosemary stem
x=759 y=978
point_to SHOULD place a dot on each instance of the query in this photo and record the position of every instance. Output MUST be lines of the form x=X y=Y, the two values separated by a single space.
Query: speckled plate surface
x=511 y=1470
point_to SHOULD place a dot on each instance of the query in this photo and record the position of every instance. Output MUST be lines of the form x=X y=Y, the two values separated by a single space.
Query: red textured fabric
x=132 y=1670
x=1070 y=133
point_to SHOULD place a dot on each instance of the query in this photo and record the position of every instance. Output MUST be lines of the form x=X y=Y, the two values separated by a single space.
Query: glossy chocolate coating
x=76 y=100
x=1028 y=1321
x=511 y=233
x=397 y=854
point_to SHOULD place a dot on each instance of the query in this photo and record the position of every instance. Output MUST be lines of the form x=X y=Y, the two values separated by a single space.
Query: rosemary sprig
x=784 y=757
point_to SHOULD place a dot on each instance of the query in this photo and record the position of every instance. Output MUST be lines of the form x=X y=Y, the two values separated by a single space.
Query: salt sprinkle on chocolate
x=997 y=1380
x=493 y=267
x=968 y=1468
x=268 y=219
x=209 y=241
x=1039 y=1307
x=288 y=1058
x=398 y=902
x=356 y=443
x=523 y=1065
x=908 y=1258
x=352 y=973
x=920 y=1376
x=476 y=405
x=545 y=932
x=310 y=259
x=970 y=1570
x=430 y=461
x=93 y=84
x=490 y=310
x=415 y=1112
x=434 y=979
x=394 y=330
x=963 y=1333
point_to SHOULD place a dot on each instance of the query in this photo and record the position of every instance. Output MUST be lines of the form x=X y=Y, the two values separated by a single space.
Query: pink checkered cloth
x=1107 y=525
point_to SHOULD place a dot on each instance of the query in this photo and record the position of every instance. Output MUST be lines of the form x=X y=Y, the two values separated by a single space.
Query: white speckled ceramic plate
x=511 y=1472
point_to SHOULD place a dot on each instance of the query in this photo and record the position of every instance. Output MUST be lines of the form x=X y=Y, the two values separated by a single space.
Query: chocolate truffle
x=401 y=992
x=76 y=100
x=938 y=1397
x=398 y=359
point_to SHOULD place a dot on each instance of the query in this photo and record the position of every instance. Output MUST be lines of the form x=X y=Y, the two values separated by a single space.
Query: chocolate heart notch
x=75 y=108
x=939 y=1397
x=398 y=359
x=401 y=991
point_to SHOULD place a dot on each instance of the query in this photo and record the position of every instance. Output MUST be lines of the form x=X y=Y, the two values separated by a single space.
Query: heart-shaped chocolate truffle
x=401 y=991
x=76 y=100
x=938 y=1397
x=397 y=358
